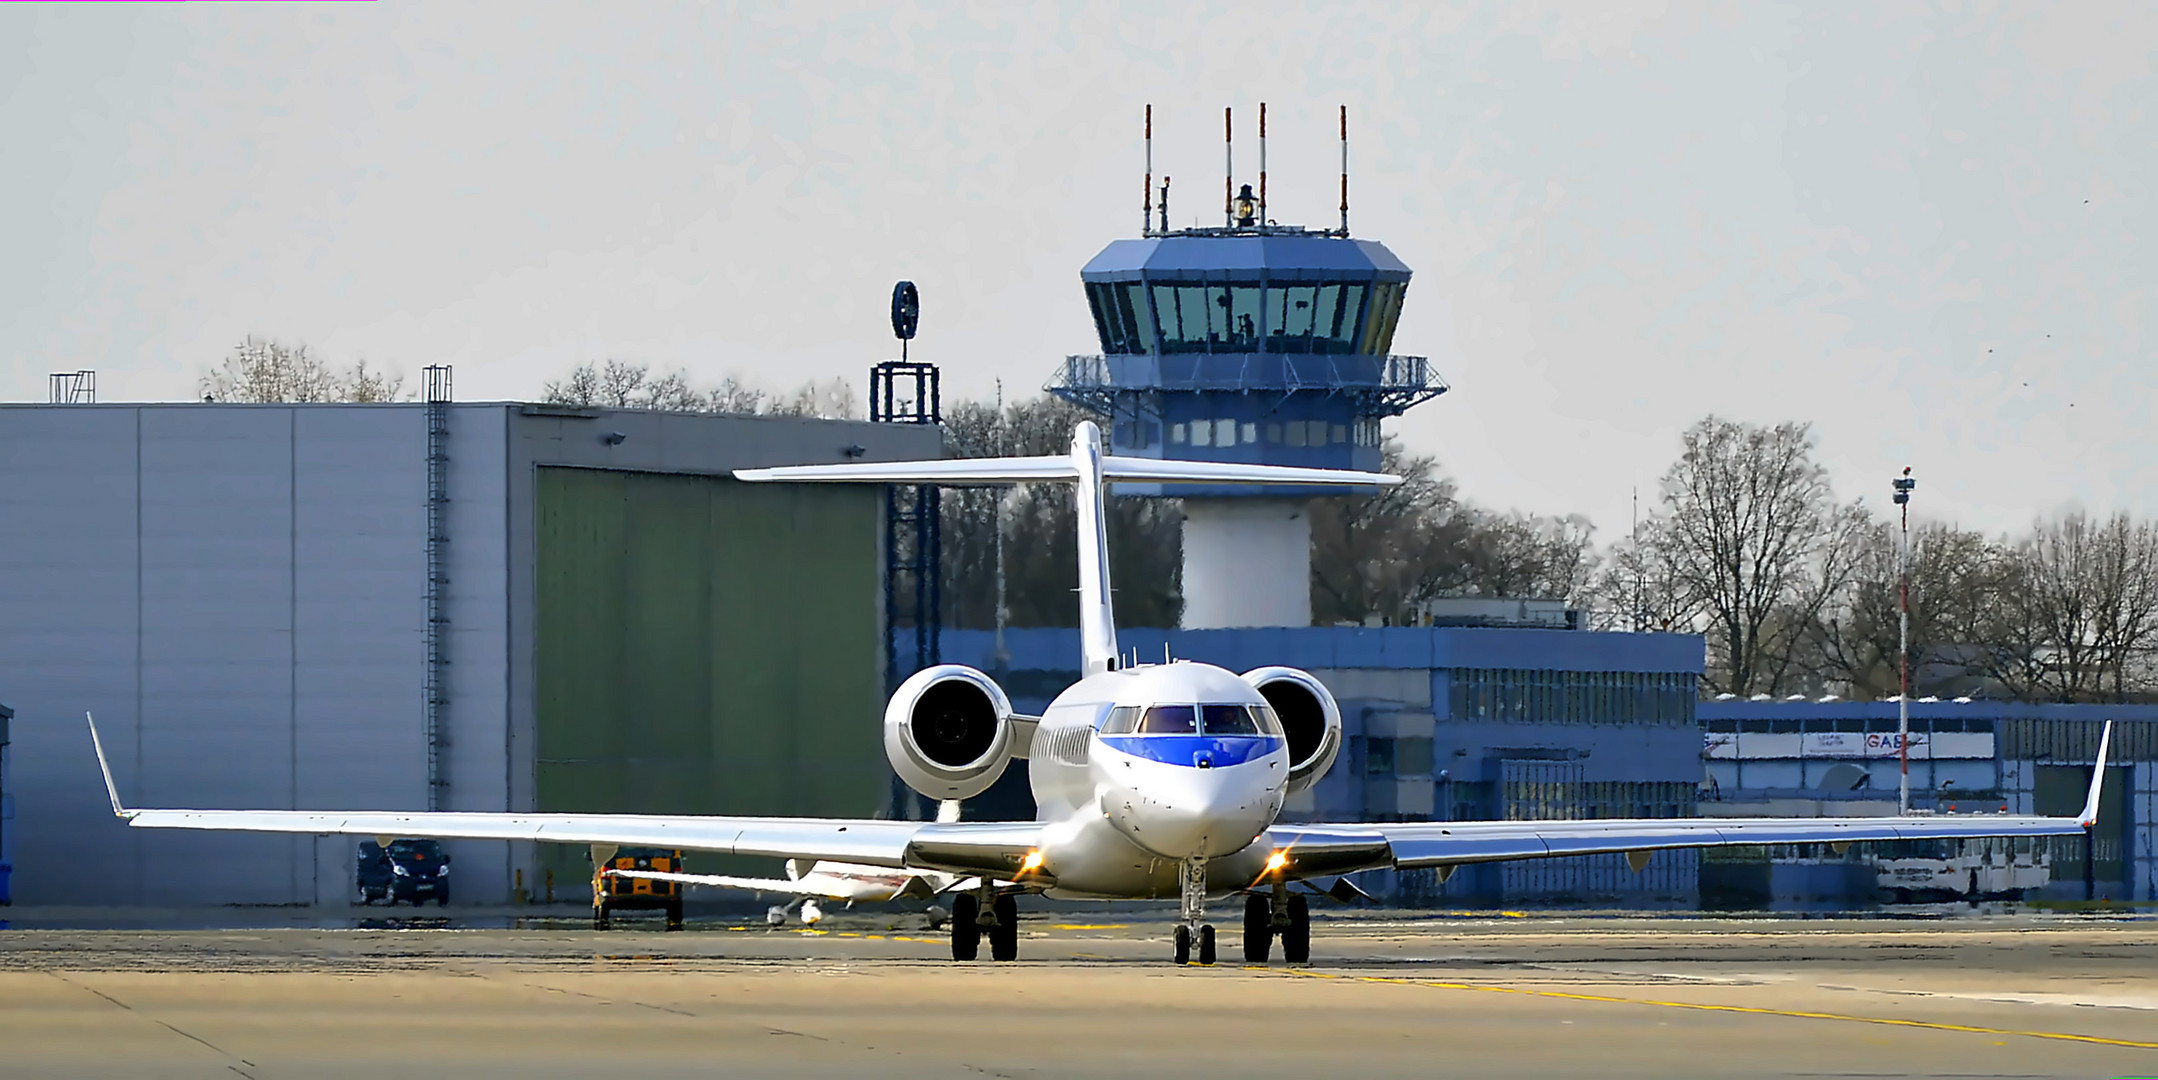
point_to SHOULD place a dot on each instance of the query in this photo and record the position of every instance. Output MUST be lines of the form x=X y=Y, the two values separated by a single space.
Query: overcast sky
x=1925 y=230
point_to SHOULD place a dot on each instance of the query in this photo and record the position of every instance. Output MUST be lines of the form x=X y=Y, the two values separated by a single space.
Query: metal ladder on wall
x=436 y=391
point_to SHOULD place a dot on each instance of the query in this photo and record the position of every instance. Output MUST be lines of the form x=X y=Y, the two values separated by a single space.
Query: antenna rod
x=1262 y=166
x=1146 y=214
x=1165 y=203
x=1344 y=170
x=1228 y=173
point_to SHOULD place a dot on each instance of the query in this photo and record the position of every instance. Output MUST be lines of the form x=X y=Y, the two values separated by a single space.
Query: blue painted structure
x=1262 y=344
x=2029 y=758
x=7 y=814
x=1466 y=722
x=1451 y=722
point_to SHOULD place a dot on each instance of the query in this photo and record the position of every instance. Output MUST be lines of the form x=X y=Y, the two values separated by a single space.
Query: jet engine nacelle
x=1309 y=716
x=948 y=731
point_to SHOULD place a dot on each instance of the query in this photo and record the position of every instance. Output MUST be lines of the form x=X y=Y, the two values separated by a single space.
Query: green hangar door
x=705 y=646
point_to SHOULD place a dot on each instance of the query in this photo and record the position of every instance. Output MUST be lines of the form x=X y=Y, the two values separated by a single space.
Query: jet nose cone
x=1207 y=816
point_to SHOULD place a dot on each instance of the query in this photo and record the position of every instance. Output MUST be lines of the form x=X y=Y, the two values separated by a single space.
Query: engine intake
x=948 y=731
x=1309 y=717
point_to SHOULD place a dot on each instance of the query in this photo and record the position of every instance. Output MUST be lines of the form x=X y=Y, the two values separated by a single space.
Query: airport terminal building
x=479 y=606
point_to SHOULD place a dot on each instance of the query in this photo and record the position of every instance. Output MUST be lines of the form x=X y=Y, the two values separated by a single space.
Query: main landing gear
x=990 y=913
x=1191 y=876
x=1279 y=912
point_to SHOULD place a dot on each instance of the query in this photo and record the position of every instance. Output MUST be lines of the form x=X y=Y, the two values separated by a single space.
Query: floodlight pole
x=1903 y=487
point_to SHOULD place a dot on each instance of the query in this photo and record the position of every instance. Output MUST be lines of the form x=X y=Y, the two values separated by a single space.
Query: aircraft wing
x=1315 y=850
x=888 y=887
x=721 y=881
x=990 y=847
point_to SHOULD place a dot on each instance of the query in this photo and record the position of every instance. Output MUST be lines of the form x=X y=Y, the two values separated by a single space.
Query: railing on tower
x=74 y=387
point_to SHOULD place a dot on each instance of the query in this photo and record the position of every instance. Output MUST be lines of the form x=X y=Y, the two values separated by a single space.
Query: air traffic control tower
x=1248 y=342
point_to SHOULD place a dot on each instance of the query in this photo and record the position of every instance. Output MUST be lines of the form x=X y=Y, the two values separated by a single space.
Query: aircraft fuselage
x=1122 y=810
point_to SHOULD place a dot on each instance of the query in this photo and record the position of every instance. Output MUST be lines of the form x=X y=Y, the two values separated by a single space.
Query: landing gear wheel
x=674 y=915
x=966 y=928
x=1258 y=928
x=1206 y=945
x=1183 y=944
x=1296 y=940
x=1004 y=936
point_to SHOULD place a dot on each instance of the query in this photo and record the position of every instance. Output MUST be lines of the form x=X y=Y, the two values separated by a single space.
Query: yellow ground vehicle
x=612 y=894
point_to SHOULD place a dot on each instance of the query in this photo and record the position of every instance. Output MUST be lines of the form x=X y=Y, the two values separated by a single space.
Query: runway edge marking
x=1930 y=1025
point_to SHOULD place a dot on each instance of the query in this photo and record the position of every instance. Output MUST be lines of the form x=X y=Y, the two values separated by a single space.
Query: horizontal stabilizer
x=1023 y=470
x=1014 y=470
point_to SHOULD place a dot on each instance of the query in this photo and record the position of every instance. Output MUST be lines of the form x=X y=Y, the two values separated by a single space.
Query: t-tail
x=1089 y=466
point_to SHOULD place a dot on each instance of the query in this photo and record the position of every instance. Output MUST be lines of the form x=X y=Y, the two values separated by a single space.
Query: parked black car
x=419 y=872
x=372 y=872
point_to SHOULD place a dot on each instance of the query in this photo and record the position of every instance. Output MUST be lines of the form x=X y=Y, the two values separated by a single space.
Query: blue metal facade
x=1260 y=345
x=1452 y=722
x=1522 y=723
x=1965 y=756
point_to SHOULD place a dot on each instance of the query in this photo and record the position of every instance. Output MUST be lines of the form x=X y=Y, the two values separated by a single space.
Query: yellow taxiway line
x=1929 y=1025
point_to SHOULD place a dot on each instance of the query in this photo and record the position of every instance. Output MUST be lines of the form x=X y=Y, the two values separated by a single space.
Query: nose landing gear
x=1194 y=929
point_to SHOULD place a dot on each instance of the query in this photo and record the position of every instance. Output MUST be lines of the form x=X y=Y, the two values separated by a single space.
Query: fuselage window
x=1170 y=720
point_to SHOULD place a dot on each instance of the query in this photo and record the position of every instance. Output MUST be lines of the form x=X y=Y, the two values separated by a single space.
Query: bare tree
x=1955 y=577
x=1753 y=540
x=1041 y=569
x=1387 y=553
x=267 y=370
x=620 y=384
x=2075 y=613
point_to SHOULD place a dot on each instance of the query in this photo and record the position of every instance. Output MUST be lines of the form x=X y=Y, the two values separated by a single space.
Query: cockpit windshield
x=1218 y=720
x=1170 y=720
x=1228 y=720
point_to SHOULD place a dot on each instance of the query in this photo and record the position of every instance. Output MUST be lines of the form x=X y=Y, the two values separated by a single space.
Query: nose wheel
x=1194 y=929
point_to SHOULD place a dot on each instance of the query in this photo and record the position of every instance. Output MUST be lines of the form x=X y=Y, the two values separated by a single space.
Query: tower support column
x=1247 y=562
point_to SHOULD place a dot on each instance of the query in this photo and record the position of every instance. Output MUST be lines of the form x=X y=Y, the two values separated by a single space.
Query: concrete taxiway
x=871 y=997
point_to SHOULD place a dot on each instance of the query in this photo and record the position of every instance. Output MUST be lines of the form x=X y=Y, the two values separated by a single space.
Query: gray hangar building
x=470 y=606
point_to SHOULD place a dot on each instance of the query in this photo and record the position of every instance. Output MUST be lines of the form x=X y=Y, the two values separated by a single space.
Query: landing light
x=1276 y=861
x=1033 y=861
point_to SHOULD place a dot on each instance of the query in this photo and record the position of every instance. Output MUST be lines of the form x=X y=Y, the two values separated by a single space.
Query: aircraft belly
x=1097 y=861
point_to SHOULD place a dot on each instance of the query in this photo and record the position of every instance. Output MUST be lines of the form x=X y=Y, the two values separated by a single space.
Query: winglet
x=112 y=791
x=2089 y=816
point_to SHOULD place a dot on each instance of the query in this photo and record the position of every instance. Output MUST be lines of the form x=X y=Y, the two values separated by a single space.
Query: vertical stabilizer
x=1097 y=620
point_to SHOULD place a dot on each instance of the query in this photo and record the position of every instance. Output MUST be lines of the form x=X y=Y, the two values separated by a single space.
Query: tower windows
x=1244 y=317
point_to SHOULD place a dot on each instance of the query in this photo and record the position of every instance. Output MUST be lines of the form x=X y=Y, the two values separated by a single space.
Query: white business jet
x=1150 y=780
